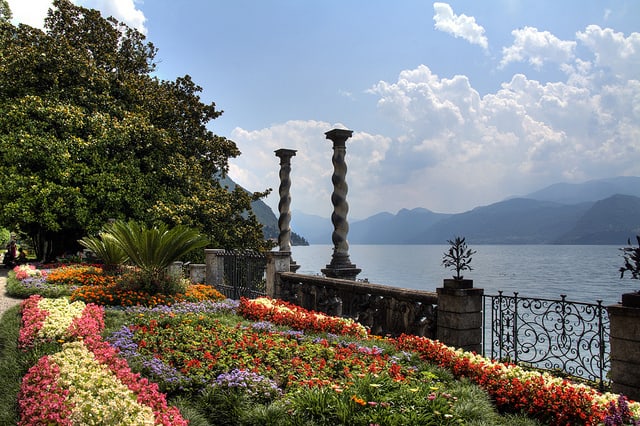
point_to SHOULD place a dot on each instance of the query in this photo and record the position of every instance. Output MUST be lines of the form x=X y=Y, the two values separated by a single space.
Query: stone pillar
x=277 y=261
x=624 y=337
x=214 y=266
x=175 y=269
x=284 y=237
x=460 y=317
x=340 y=266
x=198 y=273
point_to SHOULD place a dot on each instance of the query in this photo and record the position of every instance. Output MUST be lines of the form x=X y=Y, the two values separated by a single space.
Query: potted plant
x=458 y=259
x=631 y=256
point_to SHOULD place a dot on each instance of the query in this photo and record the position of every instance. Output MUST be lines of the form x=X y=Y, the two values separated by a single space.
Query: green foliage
x=106 y=249
x=375 y=400
x=150 y=249
x=458 y=257
x=153 y=249
x=5 y=11
x=11 y=370
x=5 y=236
x=88 y=134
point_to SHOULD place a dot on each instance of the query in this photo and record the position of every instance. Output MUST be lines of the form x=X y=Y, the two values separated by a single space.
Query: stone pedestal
x=175 y=269
x=460 y=317
x=624 y=338
x=277 y=262
x=198 y=273
x=341 y=267
x=214 y=266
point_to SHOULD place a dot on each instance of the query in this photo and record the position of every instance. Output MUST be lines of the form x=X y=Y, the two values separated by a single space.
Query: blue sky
x=453 y=104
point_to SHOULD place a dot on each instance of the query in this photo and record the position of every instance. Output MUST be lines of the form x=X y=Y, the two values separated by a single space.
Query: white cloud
x=123 y=10
x=459 y=25
x=30 y=12
x=457 y=149
x=526 y=131
x=311 y=169
x=536 y=48
x=612 y=50
x=33 y=12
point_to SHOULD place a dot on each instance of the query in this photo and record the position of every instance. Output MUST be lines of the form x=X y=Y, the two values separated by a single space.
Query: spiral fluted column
x=340 y=266
x=284 y=237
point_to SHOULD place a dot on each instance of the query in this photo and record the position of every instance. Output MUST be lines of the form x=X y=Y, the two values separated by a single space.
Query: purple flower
x=253 y=384
x=263 y=325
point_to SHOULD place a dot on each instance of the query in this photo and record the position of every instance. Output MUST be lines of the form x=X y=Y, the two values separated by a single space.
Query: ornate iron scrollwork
x=551 y=334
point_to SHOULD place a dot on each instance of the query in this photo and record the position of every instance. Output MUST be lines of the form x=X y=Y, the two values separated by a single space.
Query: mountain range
x=604 y=211
x=264 y=214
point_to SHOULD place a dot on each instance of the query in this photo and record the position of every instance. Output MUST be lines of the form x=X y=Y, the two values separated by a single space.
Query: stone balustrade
x=384 y=310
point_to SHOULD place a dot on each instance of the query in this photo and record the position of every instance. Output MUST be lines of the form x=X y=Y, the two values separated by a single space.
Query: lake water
x=583 y=273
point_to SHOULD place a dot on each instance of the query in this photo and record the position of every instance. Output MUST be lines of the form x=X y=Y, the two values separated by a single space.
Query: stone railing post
x=460 y=317
x=175 y=269
x=284 y=237
x=198 y=273
x=624 y=337
x=214 y=266
x=340 y=266
x=277 y=261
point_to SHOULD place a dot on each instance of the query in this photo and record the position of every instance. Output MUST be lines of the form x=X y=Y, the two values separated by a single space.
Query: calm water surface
x=583 y=273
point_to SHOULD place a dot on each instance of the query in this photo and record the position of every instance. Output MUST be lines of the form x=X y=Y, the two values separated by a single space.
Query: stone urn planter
x=457 y=283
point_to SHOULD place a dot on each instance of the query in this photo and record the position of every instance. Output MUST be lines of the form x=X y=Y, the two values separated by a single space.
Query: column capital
x=339 y=136
x=285 y=153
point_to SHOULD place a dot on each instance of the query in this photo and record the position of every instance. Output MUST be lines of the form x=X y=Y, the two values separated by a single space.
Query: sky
x=453 y=105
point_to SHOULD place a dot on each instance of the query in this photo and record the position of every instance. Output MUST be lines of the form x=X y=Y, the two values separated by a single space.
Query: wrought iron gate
x=244 y=274
x=549 y=334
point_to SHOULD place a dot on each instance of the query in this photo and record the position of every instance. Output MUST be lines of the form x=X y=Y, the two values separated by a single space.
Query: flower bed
x=189 y=352
x=201 y=347
x=79 y=275
x=541 y=395
x=284 y=313
x=48 y=320
x=85 y=383
x=28 y=271
x=186 y=348
x=113 y=295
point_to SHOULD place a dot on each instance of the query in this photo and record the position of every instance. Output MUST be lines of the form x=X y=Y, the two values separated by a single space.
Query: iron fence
x=549 y=334
x=244 y=274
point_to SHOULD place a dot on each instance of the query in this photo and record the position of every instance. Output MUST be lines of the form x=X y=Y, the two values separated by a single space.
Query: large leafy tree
x=88 y=134
x=5 y=11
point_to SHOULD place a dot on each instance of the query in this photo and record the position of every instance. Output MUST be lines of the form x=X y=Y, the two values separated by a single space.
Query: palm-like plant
x=106 y=249
x=152 y=250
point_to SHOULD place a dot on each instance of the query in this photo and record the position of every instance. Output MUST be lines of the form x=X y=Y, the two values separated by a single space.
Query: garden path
x=6 y=302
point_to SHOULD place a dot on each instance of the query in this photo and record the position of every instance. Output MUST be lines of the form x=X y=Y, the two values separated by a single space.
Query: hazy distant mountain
x=593 y=190
x=516 y=221
x=266 y=217
x=605 y=211
x=316 y=229
x=610 y=221
x=386 y=228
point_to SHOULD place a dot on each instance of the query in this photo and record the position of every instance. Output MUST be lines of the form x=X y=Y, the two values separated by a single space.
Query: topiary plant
x=631 y=257
x=458 y=257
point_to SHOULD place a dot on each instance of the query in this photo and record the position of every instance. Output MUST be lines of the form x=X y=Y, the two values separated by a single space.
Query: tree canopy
x=88 y=134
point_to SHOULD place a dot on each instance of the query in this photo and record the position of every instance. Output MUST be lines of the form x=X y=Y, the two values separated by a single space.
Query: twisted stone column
x=340 y=266
x=284 y=237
